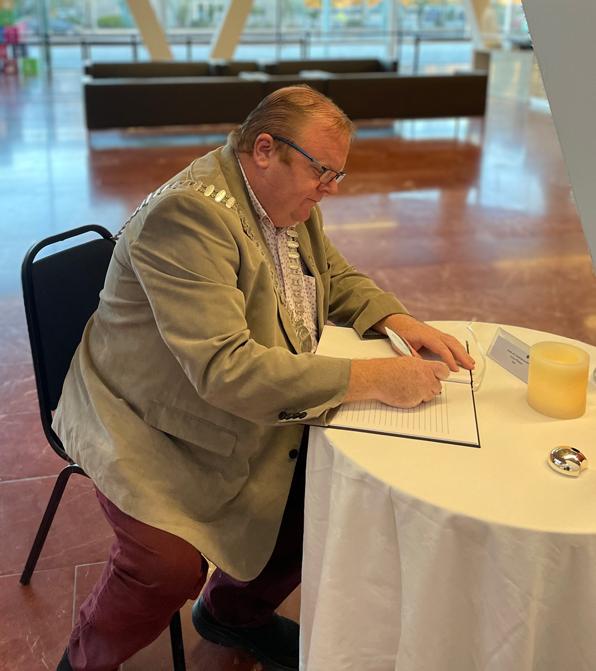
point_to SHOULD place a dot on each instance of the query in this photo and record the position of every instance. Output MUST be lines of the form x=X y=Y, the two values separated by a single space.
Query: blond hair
x=285 y=112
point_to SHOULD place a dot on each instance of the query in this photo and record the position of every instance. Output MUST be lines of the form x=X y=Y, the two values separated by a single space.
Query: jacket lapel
x=248 y=218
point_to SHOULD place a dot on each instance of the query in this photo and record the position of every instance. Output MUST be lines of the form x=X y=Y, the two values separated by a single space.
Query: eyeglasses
x=326 y=175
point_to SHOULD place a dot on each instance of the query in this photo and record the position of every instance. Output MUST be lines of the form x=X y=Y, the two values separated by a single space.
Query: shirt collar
x=260 y=210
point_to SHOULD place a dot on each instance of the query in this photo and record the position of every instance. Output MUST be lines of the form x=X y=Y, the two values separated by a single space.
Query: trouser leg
x=150 y=574
x=237 y=603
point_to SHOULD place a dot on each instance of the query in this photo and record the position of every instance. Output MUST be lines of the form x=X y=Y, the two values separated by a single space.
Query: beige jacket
x=183 y=400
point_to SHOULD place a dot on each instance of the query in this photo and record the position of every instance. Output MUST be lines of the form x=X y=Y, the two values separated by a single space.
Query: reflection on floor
x=461 y=219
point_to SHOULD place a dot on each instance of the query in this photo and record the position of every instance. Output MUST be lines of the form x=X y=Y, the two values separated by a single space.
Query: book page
x=450 y=417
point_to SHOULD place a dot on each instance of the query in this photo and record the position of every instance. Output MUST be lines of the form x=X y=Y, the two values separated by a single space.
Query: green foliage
x=7 y=17
x=111 y=21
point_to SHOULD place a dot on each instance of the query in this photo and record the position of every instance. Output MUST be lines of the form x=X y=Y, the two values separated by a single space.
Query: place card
x=511 y=353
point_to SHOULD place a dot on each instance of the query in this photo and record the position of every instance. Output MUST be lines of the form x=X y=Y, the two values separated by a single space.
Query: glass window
x=431 y=15
x=64 y=17
x=263 y=16
x=110 y=15
x=290 y=29
x=505 y=17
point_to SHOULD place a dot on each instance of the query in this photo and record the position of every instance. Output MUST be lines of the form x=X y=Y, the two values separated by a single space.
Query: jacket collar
x=249 y=219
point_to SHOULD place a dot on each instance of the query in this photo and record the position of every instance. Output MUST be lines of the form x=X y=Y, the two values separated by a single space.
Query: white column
x=563 y=38
x=151 y=30
x=481 y=19
x=228 y=34
x=392 y=26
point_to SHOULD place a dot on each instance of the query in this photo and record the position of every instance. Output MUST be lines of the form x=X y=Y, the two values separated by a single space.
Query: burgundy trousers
x=150 y=574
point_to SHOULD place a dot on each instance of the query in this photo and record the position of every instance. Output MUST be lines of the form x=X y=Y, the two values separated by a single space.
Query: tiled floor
x=463 y=220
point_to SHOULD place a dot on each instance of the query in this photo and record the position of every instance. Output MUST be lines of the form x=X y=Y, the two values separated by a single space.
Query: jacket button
x=283 y=415
x=293 y=454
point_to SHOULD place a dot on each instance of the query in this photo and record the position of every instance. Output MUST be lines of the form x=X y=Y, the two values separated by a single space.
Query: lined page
x=449 y=417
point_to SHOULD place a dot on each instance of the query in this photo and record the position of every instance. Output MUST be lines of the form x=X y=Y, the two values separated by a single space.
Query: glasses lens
x=329 y=175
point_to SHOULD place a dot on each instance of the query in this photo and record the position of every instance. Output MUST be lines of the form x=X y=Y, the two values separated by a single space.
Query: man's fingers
x=440 y=348
x=459 y=352
x=440 y=370
x=467 y=361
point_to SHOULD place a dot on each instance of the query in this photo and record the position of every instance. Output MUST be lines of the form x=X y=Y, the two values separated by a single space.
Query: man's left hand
x=420 y=335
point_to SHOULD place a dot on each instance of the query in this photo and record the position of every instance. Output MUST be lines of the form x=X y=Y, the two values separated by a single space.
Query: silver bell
x=567 y=460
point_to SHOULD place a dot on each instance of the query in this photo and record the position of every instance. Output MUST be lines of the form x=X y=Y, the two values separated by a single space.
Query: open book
x=449 y=418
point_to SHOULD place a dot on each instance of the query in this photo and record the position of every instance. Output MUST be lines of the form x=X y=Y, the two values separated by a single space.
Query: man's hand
x=403 y=382
x=419 y=335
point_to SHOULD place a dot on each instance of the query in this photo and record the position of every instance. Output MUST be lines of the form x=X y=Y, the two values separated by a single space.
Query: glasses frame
x=338 y=175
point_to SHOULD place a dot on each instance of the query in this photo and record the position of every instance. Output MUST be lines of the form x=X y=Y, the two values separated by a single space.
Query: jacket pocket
x=192 y=429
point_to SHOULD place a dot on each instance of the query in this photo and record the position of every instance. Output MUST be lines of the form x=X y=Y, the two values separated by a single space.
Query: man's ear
x=263 y=150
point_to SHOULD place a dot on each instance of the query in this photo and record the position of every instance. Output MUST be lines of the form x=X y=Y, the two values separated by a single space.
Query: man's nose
x=331 y=188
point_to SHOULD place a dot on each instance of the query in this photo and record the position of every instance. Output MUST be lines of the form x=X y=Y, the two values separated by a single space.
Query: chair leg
x=177 y=642
x=47 y=520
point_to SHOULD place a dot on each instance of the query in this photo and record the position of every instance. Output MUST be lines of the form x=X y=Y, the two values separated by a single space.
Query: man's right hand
x=403 y=382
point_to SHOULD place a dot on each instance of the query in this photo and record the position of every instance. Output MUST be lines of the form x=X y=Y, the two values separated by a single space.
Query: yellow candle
x=558 y=379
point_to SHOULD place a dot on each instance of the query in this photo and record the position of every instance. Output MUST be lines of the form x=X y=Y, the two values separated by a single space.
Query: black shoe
x=274 y=644
x=64 y=664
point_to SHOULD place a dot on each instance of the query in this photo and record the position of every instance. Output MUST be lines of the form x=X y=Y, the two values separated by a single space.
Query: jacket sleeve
x=354 y=299
x=187 y=260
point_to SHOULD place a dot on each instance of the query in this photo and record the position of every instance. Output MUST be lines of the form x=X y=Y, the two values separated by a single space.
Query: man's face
x=293 y=187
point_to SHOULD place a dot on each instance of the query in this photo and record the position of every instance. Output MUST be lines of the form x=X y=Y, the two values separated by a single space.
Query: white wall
x=564 y=37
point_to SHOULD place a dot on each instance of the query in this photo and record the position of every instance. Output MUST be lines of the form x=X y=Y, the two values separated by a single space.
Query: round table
x=423 y=556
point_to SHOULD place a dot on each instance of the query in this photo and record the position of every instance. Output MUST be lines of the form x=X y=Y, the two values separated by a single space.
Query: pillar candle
x=558 y=379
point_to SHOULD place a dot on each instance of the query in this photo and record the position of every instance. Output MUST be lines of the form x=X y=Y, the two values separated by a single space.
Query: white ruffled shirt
x=277 y=239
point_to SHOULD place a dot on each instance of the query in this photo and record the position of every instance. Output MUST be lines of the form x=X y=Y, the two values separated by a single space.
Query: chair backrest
x=60 y=292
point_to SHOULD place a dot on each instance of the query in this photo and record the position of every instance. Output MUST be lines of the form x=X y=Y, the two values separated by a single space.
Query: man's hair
x=284 y=112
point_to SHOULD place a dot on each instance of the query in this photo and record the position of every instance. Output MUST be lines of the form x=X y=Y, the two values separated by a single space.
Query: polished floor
x=461 y=219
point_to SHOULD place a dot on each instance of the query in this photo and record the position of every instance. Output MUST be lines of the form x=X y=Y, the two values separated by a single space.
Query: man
x=186 y=400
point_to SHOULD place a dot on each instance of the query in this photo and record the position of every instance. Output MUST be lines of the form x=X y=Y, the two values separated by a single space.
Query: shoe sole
x=222 y=636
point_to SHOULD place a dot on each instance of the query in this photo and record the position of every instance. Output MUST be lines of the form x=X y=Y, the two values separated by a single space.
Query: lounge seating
x=147 y=69
x=118 y=95
x=383 y=95
x=336 y=66
x=168 y=101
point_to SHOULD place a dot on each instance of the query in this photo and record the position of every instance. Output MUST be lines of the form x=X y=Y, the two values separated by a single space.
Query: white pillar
x=228 y=34
x=563 y=38
x=151 y=30
x=392 y=27
x=481 y=19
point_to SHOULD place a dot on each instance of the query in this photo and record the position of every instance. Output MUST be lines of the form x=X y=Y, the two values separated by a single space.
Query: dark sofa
x=336 y=66
x=118 y=95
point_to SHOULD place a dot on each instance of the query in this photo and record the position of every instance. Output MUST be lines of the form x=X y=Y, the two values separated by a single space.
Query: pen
x=401 y=345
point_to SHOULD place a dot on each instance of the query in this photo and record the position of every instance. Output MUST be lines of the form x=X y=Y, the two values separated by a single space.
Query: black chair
x=61 y=292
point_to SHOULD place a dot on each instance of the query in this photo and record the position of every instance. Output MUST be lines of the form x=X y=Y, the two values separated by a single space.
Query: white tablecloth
x=422 y=556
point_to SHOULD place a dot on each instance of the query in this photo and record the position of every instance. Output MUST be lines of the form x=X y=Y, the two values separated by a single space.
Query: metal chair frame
x=47 y=406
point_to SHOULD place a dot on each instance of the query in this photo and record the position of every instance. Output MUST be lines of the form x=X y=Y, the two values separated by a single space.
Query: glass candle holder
x=558 y=379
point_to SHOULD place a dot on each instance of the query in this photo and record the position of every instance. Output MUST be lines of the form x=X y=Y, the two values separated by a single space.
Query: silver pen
x=401 y=345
